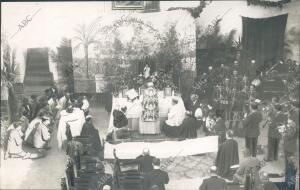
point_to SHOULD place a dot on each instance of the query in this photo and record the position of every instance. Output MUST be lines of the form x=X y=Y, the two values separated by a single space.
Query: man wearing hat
x=274 y=135
x=214 y=182
x=251 y=128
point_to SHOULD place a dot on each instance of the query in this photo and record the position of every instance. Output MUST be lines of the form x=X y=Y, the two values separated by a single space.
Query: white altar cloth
x=165 y=149
x=134 y=109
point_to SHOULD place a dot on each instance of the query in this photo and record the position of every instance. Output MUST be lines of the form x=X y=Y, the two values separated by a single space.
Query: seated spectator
x=227 y=156
x=42 y=136
x=189 y=126
x=249 y=164
x=145 y=161
x=14 y=143
x=265 y=184
x=89 y=130
x=156 y=178
x=214 y=182
x=171 y=126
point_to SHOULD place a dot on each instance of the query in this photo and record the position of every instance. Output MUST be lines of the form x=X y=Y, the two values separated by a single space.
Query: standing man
x=227 y=156
x=220 y=127
x=251 y=128
x=273 y=134
x=235 y=105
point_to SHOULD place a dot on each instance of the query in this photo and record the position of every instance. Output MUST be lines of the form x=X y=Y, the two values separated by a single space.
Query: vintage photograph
x=150 y=95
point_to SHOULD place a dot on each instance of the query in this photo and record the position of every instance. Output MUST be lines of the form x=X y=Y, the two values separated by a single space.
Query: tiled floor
x=185 y=172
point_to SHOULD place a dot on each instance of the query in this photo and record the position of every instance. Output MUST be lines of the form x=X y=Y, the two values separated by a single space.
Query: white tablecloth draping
x=165 y=149
x=134 y=109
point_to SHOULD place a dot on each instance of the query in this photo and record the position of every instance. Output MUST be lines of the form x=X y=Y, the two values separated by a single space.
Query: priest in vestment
x=73 y=117
x=227 y=156
x=172 y=126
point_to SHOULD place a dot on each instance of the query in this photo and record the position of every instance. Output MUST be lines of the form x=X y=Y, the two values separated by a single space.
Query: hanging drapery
x=263 y=40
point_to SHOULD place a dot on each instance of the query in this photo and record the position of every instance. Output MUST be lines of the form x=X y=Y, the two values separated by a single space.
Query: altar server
x=172 y=124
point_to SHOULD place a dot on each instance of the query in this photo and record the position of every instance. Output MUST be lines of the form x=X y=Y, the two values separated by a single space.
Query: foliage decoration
x=194 y=11
x=264 y=3
x=221 y=49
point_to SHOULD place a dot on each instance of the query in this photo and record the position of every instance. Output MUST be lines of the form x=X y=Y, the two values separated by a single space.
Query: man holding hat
x=214 y=182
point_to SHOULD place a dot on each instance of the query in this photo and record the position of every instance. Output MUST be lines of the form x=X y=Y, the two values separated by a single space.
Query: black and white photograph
x=150 y=95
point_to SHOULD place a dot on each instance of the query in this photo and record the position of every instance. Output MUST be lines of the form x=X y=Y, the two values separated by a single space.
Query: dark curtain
x=263 y=40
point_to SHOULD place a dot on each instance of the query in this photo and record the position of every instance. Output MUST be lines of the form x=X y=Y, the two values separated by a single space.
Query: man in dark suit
x=157 y=178
x=189 y=126
x=145 y=161
x=193 y=104
x=214 y=182
x=227 y=156
x=220 y=127
x=251 y=127
x=273 y=134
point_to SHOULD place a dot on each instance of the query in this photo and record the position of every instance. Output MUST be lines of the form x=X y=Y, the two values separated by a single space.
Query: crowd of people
x=220 y=106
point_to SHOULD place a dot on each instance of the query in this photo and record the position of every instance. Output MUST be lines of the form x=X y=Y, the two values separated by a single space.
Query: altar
x=134 y=112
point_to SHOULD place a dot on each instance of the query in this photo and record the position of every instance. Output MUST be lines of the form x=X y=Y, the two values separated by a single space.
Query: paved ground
x=45 y=173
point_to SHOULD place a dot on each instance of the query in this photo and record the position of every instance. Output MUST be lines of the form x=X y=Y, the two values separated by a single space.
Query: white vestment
x=75 y=119
x=31 y=127
x=175 y=117
x=85 y=105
